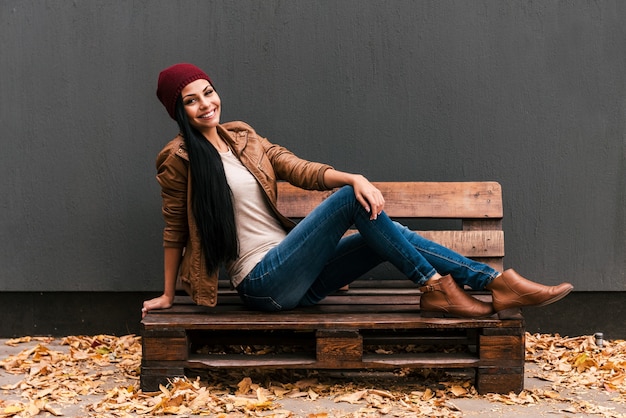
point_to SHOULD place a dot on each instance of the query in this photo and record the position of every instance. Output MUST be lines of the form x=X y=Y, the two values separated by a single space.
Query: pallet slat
x=249 y=320
x=379 y=361
x=438 y=200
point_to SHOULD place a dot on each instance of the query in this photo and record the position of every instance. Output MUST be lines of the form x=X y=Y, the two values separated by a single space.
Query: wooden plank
x=517 y=331
x=164 y=348
x=411 y=199
x=283 y=360
x=366 y=292
x=336 y=346
x=469 y=243
x=375 y=361
x=422 y=360
x=253 y=320
x=213 y=342
x=369 y=299
x=357 y=296
x=501 y=350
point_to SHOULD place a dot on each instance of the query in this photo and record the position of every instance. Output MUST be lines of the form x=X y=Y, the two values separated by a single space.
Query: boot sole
x=544 y=303
x=512 y=313
x=556 y=298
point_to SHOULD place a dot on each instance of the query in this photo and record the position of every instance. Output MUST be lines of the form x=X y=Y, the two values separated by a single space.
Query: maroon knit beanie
x=173 y=80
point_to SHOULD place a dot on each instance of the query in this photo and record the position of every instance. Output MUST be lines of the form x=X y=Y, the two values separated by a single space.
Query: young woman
x=218 y=184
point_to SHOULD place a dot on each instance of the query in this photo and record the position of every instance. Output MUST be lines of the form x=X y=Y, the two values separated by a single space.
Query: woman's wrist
x=335 y=178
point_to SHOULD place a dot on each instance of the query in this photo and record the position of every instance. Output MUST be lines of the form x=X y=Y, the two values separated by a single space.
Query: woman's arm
x=172 y=177
x=366 y=193
x=171 y=261
x=316 y=176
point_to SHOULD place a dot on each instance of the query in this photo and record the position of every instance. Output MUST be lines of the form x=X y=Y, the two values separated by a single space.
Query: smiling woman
x=202 y=106
x=218 y=183
x=189 y=96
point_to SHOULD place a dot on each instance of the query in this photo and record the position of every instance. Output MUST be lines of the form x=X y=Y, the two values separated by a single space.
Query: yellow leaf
x=312 y=395
x=381 y=393
x=618 y=380
x=278 y=391
x=175 y=401
x=164 y=390
x=428 y=394
x=584 y=362
x=352 y=397
x=15 y=341
x=551 y=394
x=33 y=409
x=458 y=390
x=51 y=410
x=297 y=394
x=13 y=409
x=244 y=386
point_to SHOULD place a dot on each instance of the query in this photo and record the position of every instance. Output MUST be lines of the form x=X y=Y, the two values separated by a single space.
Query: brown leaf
x=352 y=398
x=244 y=386
x=109 y=367
x=458 y=391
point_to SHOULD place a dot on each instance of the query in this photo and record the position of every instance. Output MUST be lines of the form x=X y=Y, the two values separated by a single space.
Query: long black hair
x=212 y=198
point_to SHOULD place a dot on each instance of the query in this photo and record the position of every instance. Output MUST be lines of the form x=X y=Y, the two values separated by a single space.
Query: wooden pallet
x=364 y=326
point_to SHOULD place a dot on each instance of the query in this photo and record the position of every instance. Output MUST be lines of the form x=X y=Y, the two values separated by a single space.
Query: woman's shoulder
x=176 y=147
x=238 y=127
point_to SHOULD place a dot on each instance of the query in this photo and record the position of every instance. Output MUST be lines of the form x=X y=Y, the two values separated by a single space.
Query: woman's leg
x=287 y=272
x=354 y=258
x=465 y=271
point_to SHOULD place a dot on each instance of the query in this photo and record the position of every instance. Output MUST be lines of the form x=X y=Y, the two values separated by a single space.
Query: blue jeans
x=315 y=260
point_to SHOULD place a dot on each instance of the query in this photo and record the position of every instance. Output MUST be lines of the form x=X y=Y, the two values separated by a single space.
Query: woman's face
x=202 y=105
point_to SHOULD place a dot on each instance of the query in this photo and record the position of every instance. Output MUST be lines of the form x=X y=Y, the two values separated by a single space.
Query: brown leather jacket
x=267 y=163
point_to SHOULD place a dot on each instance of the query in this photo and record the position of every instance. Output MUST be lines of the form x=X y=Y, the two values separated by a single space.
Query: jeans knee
x=347 y=195
x=348 y=191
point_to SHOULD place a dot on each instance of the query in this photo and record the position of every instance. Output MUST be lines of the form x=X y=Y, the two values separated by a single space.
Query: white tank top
x=258 y=230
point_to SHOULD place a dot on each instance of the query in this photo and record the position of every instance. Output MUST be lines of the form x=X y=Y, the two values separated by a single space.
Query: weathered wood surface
x=391 y=315
x=458 y=200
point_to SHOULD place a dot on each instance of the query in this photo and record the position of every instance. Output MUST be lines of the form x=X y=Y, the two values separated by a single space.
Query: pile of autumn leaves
x=106 y=369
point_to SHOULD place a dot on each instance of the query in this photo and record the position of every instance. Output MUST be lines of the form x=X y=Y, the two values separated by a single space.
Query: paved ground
x=568 y=404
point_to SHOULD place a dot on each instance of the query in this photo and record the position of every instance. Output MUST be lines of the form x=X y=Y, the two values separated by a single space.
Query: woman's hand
x=369 y=196
x=162 y=302
x=366 y=193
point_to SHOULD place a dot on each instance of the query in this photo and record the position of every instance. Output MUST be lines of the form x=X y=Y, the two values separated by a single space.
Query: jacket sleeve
x=302 y=173
x=172 y=176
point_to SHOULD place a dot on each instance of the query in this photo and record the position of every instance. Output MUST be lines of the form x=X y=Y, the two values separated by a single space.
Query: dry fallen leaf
x=108 y=367
x=458 y=391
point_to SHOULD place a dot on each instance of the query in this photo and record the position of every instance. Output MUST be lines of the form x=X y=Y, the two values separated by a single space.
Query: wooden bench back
x=477 y=205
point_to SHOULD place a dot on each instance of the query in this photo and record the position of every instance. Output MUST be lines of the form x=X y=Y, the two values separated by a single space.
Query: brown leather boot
x=512 y=291
x=443 y=297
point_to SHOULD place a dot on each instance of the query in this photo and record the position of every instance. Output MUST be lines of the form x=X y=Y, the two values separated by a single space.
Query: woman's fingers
x=373 y=202
x=162 y=302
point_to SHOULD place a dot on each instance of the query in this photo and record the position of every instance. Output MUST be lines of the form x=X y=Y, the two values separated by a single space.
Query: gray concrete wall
x=530 y=94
